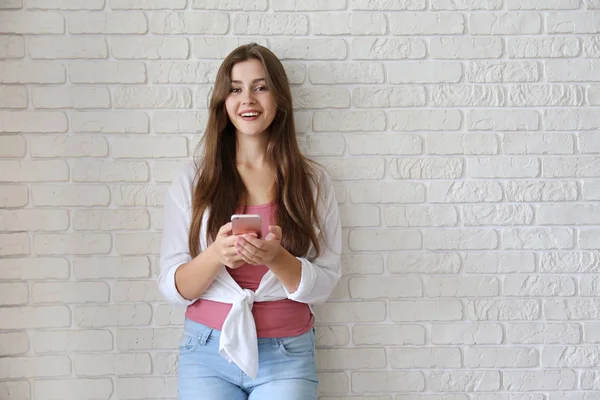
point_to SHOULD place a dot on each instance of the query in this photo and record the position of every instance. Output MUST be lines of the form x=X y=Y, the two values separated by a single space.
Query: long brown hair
x=219 y=187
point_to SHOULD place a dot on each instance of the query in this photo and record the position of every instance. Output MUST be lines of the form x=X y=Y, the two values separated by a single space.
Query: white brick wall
x=462 y=136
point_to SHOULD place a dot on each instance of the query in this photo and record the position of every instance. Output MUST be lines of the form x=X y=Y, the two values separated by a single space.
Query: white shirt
x=238 y=341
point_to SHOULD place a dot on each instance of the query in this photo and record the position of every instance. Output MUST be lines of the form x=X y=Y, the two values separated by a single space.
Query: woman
x=248 y=332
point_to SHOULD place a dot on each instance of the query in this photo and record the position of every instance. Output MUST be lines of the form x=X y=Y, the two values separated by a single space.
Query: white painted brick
x=13 y=196
x=34 y=268
x=426 y=24
x=12 y=4
x=330 y=24
x=389 y=239
x=384 y=381
x=537 y=238
x=468 y=286
x=561 y=214
x=542 y=5
x=425 y=357
x=546 y=95
x=307 y=5
x=502 y=71
x=590 y=4
x=266 y=24
x=559 y=262
x=388 y=96
x=133 y=244
x=112 y=315
x=503 y=310
x=33 y=220
x=296 y=73
x=34 y=317
x=107 y=72
x=322 y=145
x=357 y=359
x=407 y=216
x=386 y=334
x=148 y=339
x=466 y=334
x=220 y=47
x=240 y=5
x=115 y=22
x=31 y=23
x=138 y=195
x=68 y=47
x=15 y=390
x=593 y=95
x=425 y=120
x=71 y=243
x=452 y=143
x=366 y=168
x=76 y=97
x=503 y=120
x=385 y=287
x=12 y=244
x=387 y=192
x=179 y=121
x=540 y=333
x=150 y=47
x=145 y=388
x=65 y=4
x=302 y=49
x=154 y=147
x=72 y=341
x=111 y=364
x=384 y=144
x=164 y=171
x=110 y=171
x=534 y=286
x=167 y=315
x=468 y=95
x=505 y=23
x=460 y=239
x=175 y=23
x=79 y=388
x=424 y=72
x=590 y=380
x=587 y=238
x=147 y=4
x=166 y=363
x=507 y=214
x=136 y=291
x=70 y=292
x=504 y=262
x=69 y=195
x=573 y=22
x=12 y=46
x=465 y=48
x=570 y=357
x=572 y=70
x=13 y=97
x=15 y=293
x=466 y=4
x=591 y=47
x=362 y=264
x=320 y=97
x=176 y=72
x=423 y=263
x=349 y=121
x=12 y=146
x=33 y=122
x=469 y=192
x=365 y=311
x=551 y=47
x=368 y=24
x=32 y=72
x=589 y=285
x=111 y=267
x=570 y=167
x=202 y=97
x=538 y=143
x=590 y=189
x=357 y=216
x=34 y=367
x=426 y=168
x=533 y=380
x=426 y=310
x=389 y=5
x=68 y=146
x=119 y=122
x=466 y=380
x=388 y=49
x=333 y=382
x=541 y=191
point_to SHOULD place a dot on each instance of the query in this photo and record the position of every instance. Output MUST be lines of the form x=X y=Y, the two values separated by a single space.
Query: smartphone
x=246 y=223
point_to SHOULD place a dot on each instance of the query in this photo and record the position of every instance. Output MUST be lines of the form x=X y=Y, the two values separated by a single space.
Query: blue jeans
x=286 y=368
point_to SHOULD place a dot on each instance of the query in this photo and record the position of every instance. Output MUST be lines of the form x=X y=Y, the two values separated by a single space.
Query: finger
x=276 y=230
x=258 y=243
x=248 y=257
x=225 y=230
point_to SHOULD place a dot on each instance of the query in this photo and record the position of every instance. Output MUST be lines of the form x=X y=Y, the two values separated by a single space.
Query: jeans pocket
x=188 y=343
x=297 y=346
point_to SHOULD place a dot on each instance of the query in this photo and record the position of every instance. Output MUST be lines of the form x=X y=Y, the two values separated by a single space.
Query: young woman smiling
x=248 y=332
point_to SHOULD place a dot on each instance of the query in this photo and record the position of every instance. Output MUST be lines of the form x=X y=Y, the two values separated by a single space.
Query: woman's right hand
x=224 y=248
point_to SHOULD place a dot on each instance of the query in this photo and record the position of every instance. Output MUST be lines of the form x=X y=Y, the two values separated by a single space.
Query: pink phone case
x=246 y=223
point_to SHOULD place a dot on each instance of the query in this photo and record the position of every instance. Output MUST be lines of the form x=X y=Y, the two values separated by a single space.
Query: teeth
x=252 y=114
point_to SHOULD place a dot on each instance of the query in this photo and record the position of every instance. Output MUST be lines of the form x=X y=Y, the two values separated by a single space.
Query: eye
x=234 y=90
x=261 y=88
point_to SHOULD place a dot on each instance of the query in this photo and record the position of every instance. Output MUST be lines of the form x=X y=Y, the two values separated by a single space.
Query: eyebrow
x=254 y=81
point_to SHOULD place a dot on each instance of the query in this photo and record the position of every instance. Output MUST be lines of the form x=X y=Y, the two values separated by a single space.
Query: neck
x=251 y=151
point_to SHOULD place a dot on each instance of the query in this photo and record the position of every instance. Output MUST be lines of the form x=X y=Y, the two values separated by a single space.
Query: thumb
x=225 y=230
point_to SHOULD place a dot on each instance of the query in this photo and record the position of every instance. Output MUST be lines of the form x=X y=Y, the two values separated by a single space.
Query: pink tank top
x=273 y=319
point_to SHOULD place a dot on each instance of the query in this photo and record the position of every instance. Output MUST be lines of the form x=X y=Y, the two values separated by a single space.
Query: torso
x=259 y=184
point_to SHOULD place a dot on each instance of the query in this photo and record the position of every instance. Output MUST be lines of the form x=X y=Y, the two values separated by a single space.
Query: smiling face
x=250 y=104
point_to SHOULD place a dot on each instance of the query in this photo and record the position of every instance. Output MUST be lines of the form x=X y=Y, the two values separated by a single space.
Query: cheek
x=231 y=107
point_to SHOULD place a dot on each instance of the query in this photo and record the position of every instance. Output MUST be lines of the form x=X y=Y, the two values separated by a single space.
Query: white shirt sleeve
x=320 y=275
x=174 y=243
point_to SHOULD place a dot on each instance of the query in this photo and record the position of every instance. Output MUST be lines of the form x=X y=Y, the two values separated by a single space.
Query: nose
x=248 y=97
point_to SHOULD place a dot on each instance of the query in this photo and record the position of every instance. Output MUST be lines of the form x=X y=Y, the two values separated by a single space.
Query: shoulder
x=183 y=183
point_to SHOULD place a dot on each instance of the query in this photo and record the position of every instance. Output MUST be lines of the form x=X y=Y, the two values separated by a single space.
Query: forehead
x=247 y=71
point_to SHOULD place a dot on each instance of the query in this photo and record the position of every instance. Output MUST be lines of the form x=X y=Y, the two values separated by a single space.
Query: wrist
x=279 y=258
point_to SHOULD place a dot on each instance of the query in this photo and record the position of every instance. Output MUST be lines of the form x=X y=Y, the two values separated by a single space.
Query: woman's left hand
x=258 y=251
